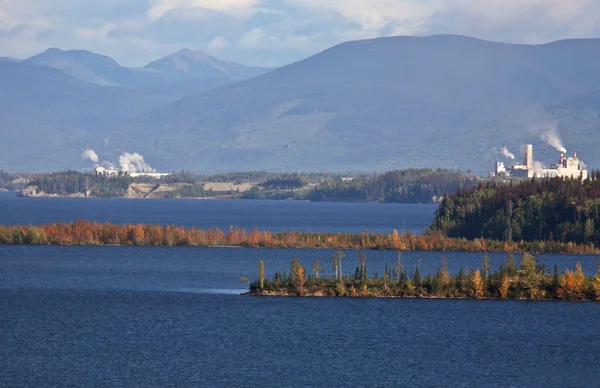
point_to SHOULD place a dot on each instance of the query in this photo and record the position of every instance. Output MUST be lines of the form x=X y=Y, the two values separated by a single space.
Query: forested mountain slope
x=440 y=101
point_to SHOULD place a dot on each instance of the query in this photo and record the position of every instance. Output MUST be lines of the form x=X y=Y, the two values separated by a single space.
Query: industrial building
x=114 y=171
x=569 y=167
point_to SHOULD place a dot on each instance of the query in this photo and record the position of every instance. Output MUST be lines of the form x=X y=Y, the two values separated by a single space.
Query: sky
x=274 y=32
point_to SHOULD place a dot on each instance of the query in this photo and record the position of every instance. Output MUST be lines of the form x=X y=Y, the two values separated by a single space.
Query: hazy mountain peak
x=81 y=64
x=188 y=63
x=53 y=55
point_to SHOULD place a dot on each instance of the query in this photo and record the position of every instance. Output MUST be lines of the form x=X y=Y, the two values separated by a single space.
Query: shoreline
x=108 y=234
x=498 y=299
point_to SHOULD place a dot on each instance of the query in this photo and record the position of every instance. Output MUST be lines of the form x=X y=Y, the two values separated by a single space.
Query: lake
x=143 y=316
x=267 y=215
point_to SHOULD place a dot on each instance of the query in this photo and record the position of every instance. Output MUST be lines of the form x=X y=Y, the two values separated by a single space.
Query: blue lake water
x=272 y=215
x=161 y=317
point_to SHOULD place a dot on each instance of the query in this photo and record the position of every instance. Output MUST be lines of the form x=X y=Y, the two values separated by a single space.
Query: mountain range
x=371 y=105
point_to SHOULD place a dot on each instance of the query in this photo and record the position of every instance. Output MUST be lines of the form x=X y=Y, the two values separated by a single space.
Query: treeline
x=401 y=186
x=70 y=182
x=268 y=185
x=263 y=178
x=11 y=182
x=6 y=178
x=195 y=190
x=530 y=280
x=285 y=182
x=92 y=233
x=548 y=209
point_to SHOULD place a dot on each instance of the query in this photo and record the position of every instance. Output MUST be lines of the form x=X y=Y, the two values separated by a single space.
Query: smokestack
x=529 y=156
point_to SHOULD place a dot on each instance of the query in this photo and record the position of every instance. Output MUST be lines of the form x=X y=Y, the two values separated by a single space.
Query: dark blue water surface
x=273 y=215
x=173 y=317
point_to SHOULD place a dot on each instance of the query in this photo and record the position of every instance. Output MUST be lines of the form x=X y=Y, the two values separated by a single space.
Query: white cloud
x=252 y=39
x=160 y=7
x=219 y=43
x=273 y=32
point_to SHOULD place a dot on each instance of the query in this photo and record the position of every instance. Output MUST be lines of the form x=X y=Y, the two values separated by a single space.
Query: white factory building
x=114 y=171
x=569 y=167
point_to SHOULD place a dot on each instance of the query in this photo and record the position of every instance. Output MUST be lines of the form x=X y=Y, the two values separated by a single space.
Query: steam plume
x=507 y=153
x=538 y=168
x=134 y=163
x=548 y=133
x=91 y=155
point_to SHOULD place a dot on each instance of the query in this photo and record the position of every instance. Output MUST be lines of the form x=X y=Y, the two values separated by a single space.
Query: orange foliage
x=84 y=232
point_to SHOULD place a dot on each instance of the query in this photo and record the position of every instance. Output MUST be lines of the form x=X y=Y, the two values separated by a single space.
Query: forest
x=12 y=182
x=93 y=233
x=548 y=209
x=529 y=280
x=399 y=186
x=70 y=182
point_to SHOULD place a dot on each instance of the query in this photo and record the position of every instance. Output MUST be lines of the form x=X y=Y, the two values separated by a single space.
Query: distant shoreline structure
x=113 y=172
x=567 y=167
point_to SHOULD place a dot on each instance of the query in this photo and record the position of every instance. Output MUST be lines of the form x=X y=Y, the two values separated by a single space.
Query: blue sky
x=270 y=32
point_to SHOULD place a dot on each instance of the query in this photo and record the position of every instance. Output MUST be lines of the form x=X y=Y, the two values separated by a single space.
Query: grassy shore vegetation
x=93 y=233
x=528 y=280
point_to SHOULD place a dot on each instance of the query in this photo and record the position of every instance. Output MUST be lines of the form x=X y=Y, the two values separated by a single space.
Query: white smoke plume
x=91 y=155
x=507 y=153
x=538 y=168
x=134 y=163
x=548 y=133
x=504 y=152
x=108 y=165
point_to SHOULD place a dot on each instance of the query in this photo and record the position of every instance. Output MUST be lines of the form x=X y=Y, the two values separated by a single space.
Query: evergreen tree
x=417 y=277
x=316 y=268
x=261 y=274
x=363 y=266
x=529 y=278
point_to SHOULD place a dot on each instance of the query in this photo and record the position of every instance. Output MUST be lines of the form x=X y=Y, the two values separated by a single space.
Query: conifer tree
x=579 y=280
x=485 y=266
x=445 y=274
x=261 y=274
x=529 y=278
x=335 y=267
x=316 y=268
x=399 y=268
x=477 y=286
x=339 y=256
x=417 y=277
x=504 y=287
x=363 y=266
x=555 y=279
x=298 y=276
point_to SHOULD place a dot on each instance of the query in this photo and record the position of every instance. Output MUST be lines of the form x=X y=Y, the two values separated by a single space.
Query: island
x=529 y=280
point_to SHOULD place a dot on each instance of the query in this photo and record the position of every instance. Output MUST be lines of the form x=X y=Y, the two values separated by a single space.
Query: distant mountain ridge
x=379 y=104
x=197 y=64
x=57 y=102
x=184 y=65
x=371 y=105
x=47 y=115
